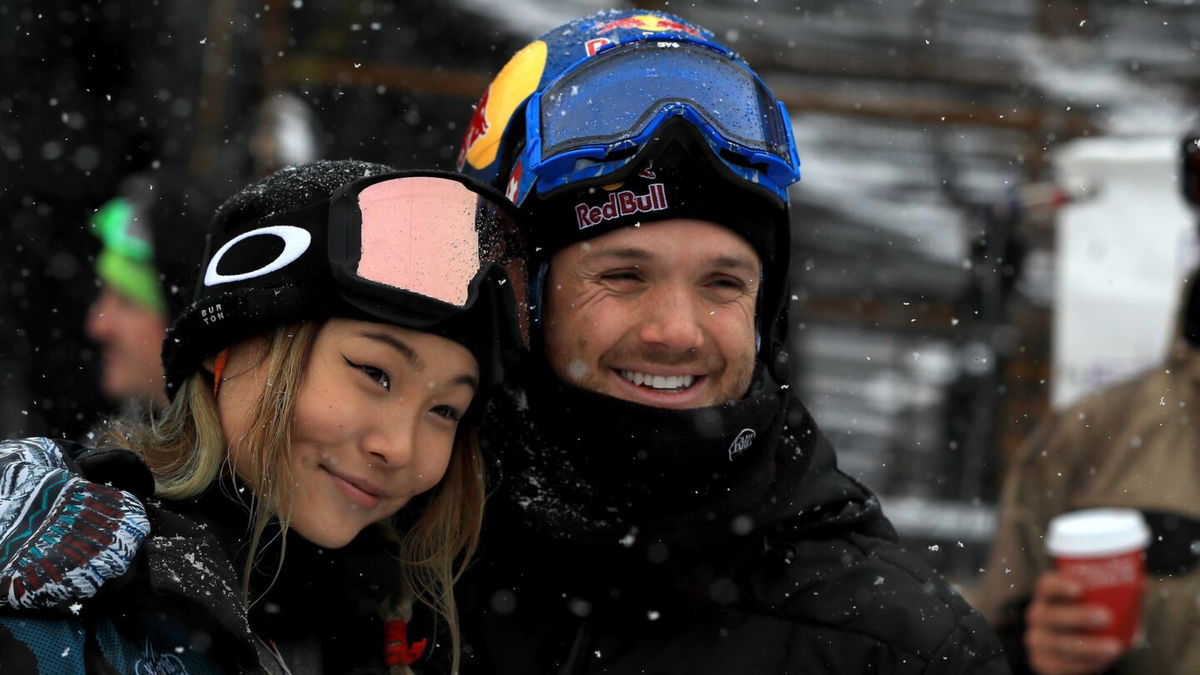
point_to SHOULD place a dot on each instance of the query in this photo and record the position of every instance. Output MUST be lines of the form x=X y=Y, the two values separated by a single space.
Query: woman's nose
x=391 y=445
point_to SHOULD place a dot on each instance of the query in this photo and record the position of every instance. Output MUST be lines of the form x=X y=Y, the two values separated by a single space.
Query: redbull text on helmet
x=619 y=204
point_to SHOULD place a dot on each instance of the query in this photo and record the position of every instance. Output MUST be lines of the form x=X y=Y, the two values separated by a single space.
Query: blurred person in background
x=152 y=238
x=1136 y=446
x=666 y=504
x=286 y=131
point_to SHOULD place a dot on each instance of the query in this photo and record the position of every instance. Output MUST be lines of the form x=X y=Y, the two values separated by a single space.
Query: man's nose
x=100 y=316
x=672 y=320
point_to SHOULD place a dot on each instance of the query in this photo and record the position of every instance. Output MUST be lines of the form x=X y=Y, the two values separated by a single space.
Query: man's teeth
x=659 y=381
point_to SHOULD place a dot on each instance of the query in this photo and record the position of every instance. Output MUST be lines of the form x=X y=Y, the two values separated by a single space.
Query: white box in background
x=1122 y=254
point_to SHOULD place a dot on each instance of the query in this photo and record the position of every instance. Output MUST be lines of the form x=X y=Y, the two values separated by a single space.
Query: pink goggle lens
x=419 y=234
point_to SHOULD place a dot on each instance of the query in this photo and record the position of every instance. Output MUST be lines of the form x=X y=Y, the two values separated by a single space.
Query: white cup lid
x=1097 y=532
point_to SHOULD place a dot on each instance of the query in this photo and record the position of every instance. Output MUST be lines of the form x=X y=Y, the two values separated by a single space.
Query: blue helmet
x=584 y=103
x=607 y=118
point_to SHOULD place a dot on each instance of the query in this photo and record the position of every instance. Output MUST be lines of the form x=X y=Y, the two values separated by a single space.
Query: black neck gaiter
x=297 y=586
x=579 y=466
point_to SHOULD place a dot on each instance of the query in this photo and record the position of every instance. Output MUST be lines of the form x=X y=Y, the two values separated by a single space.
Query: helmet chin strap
x=777 y=352
x=536 y=295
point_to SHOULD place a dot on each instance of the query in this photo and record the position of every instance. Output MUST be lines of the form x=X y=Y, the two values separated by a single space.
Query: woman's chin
x=325 y=537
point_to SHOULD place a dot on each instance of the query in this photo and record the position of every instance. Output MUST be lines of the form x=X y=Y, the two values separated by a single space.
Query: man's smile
x=659 y=382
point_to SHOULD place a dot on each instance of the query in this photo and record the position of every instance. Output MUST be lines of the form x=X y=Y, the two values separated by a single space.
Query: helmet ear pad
x=775 y=354
x=535 y=301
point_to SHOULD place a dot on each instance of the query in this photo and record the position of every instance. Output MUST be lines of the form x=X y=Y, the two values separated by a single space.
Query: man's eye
x=622 y=275
x=379 y=375
x=447 y=411
x=728 y=283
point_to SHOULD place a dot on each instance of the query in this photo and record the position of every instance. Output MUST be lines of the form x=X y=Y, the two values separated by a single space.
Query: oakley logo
x=742 y=443
x=619 y=204
x=295 y=242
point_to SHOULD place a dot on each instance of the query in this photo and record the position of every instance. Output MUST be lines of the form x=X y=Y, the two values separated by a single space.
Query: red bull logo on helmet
x=477 y=128
x=593 y=47
x=621 y=204
x=515 y=82
x=512 y=190
x=647 y=22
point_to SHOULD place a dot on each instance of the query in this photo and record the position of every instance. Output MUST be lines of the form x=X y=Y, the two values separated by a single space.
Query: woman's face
x=375 y=422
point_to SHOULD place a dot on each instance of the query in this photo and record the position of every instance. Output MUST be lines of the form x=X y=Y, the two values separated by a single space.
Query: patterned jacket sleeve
x=61 y=537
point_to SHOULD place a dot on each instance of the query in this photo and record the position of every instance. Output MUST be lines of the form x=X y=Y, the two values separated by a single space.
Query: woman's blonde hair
x=185 y=449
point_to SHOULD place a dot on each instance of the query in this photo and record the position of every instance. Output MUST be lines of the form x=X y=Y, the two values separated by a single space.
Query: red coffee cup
x=1105 y=551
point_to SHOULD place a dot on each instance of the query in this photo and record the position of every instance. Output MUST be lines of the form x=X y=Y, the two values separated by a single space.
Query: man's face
x=130 y=337
x=661 y=314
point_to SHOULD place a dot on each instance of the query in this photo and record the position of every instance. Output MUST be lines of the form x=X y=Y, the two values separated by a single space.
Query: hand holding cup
x=1088 y=612
x=1065 y=635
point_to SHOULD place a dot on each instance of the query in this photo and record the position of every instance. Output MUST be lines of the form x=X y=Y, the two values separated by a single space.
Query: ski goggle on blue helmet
x=606 y=85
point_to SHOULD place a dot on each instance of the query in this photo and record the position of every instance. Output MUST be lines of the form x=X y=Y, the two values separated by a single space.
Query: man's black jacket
x=801 y=576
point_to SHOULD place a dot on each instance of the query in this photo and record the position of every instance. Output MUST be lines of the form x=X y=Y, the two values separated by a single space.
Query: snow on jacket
x=801 y=574
x=1136 y=445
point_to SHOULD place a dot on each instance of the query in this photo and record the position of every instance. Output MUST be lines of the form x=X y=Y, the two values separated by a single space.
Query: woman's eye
x=447 y=411
x=379 y=375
